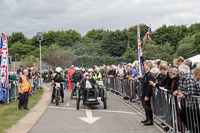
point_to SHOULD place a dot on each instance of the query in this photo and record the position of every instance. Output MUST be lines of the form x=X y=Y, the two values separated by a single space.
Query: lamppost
x=15 y=60
x=40 y=38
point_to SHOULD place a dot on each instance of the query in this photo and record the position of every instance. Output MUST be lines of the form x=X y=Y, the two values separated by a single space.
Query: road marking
x=89 y=119
x=106 y=111
x=67 y=104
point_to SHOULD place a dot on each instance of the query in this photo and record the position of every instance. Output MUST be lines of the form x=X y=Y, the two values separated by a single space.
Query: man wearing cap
x=120 y=70
x=69 y=76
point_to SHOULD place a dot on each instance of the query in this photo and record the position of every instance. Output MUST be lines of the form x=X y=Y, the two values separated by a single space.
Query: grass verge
x=10 y=114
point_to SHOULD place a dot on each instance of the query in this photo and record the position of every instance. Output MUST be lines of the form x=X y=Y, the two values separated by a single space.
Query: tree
x=95 y=34
x=21 y=49
x=114 y=43
x=186 y=47
x=59 y=56
x=171 y=34
x=16 y=37
x=197 y=42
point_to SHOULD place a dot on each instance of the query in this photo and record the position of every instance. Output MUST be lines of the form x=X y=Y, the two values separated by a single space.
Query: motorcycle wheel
x=78 y=101
x=57 y=98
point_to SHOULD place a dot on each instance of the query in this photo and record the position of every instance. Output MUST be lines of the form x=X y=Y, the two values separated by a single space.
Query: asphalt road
x=118 y=118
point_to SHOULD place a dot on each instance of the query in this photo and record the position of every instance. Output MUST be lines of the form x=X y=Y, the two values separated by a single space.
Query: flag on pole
x=139 y=50
x=148 y=34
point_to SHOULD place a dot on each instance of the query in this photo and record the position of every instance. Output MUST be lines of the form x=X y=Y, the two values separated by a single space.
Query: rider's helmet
x=59 y=69
x=83 y=69
x=77 y=69
x=90 y=70
x=97 y=69
x=87 y=75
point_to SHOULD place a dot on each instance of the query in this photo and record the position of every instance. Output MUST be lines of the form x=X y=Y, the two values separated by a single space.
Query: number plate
x=99 y=99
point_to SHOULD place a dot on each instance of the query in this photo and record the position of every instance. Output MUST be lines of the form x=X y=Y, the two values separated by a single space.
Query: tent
x=195 y=58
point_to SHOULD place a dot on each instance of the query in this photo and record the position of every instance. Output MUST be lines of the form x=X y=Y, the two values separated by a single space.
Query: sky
x=32 y=16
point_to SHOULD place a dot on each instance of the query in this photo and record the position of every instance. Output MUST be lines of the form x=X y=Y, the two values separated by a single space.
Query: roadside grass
x=10 y=114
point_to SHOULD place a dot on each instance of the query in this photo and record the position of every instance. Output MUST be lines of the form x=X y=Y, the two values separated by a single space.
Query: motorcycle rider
x=57 y=77
x=76 y=77
x=98 y=75
x=91 y=72
x=87 y=83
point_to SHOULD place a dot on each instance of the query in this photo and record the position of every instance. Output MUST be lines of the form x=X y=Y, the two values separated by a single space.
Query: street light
x=40 y=38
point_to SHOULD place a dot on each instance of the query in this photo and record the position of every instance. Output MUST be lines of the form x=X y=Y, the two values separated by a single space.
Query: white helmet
x=59 y=69
x=97 y=69
x=83 y=69
x=90 y=70
x=77 y=69
x=86 y=74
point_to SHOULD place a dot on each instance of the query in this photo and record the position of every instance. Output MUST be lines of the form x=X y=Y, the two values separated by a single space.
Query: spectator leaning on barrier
x=147 y=93
x=120 y=70
x=24 y=88
x=187 y=87
x=165 y=81
x=132 y=72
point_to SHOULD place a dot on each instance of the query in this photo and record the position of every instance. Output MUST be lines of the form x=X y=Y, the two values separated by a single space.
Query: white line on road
x=107 y=111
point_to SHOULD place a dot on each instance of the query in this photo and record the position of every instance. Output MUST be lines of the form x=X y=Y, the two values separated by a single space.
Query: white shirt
x=88 y=85
x=120 y=71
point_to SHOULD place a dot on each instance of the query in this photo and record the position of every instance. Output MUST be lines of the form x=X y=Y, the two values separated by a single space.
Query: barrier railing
x=13 y=88
x=166 y=107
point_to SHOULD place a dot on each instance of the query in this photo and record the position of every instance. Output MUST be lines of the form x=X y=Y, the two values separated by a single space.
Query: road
x=118 y=118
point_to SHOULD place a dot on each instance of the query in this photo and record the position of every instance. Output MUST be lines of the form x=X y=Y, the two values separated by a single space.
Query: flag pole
x=143 y=43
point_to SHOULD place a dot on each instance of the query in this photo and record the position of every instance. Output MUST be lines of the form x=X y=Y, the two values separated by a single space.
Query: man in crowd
x=147 y=93
x=187 y=87
x=24 y=88
x=120 y=70
x=132 y=72
x=70 y=72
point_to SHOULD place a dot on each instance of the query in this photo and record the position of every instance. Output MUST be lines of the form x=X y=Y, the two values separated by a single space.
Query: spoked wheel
x=78 y=101
x=57 y=98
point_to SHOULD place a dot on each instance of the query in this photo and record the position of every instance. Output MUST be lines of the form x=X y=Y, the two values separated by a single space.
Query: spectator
x=132 y=72
x=185 y=89
x=120 y=70
x=188 y=62
x=175 y=63
x=146 y=94
x=180 y=60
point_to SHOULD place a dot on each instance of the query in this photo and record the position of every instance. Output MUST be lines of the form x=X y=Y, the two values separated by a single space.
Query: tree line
x=100 y=46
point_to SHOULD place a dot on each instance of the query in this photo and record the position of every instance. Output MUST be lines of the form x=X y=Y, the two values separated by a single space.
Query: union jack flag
x=139 y=50
x=148 y=34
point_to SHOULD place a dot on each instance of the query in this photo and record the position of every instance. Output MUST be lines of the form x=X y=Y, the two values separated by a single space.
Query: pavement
x=46 y=117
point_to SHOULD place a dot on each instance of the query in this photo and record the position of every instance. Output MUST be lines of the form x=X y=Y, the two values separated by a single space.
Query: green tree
x=16 y=37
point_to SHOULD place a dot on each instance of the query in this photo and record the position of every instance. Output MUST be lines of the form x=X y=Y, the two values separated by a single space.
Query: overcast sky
x=32 y=16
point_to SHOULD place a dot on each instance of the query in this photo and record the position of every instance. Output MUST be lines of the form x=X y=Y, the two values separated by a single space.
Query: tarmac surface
x=119 y=117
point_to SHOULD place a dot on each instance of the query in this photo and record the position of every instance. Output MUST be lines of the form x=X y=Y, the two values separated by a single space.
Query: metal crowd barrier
x=166 y=108
x=13 y=88
x=188 y=118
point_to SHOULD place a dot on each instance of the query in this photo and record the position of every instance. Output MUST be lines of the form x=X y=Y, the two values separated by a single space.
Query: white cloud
x=31 y=16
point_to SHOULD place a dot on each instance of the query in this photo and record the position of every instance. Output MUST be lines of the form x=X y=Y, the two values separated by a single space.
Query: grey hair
x=173 y=70
x=154 y=70
x=184 y=69
x=25 y=70
x=175 y=61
